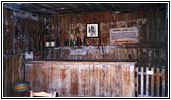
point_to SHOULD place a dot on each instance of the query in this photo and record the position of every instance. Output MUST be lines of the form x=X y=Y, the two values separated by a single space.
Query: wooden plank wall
x=31 y=36
x=19 y=35
x=12 y=71
x=16 y=35
x=149 y=23
x=104 y=79
x=7 y=32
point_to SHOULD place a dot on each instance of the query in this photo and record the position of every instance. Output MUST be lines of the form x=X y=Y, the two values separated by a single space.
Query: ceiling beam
x=71 y=8
x=35 y=8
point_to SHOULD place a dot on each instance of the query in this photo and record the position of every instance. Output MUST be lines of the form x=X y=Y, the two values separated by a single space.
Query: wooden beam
x=35 y=8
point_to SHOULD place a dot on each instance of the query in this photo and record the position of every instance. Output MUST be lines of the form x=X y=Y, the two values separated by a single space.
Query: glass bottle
x=52 y=42
x=70 y=42
x=47 y=42
x=84 y=42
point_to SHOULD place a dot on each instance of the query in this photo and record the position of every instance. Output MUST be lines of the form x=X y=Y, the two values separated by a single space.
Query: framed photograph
x=93 y=30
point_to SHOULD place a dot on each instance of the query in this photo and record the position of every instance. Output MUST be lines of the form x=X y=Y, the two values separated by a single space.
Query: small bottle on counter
x=58 y=44
x=79 y=42
x=70 y=42
x=52 y=42
x=47 y=42
x=74 y=42
x=67 y=42
x=84 y=42
x=64 y=42
x=100 y=42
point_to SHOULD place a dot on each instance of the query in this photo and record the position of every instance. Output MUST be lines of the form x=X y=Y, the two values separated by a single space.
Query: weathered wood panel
x=127 y=80
x=64 y=80
x=8 y=31
x=122 y=53
x=28 y=76
x=74 y=79
x=35 y=78
x=133 y=53
x=7 y=76
x=120 y=17
x=12 y=71
x=95 y=80
x=142 y=33
x=15 y=76
x=136 y=81
x=104 y=79
x=54 y=79
x=39 y=77
x=84 y=80
x=104 y=33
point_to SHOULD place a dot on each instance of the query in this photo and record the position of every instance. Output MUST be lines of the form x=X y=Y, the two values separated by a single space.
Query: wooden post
x=147 y=82
x=152 y=83
x=163 y=82
x=158 y=82
x=142 y=82
x=136 y=81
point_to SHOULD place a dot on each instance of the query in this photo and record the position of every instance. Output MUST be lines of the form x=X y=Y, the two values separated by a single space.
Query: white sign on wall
x=124 y=35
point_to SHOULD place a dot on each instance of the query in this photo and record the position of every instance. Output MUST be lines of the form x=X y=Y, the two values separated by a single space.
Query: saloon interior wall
x=86 y=49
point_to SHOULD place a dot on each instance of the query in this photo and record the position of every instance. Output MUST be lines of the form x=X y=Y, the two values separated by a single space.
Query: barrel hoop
x=22 y=90
x=21 y=87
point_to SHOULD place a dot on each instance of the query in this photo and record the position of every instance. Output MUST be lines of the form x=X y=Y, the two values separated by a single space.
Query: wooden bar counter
x=82 y=78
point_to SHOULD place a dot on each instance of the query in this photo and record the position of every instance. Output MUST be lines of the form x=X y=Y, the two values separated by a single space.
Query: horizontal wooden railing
x=150 y=82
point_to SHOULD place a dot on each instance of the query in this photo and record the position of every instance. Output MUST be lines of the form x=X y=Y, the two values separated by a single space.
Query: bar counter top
x=82 y=60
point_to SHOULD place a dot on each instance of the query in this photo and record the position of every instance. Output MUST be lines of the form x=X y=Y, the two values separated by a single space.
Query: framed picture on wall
x=92 y=30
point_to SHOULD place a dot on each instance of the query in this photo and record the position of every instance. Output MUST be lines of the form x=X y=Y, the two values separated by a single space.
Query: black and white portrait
x=92 y=30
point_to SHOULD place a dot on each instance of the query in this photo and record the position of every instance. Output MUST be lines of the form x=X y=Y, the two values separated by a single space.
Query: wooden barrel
x=21 y=89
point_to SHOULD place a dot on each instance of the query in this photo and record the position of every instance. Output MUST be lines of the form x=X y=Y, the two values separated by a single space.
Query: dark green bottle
x=70 y=42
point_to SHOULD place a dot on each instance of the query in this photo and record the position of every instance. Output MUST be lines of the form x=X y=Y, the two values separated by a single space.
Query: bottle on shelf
x=79 y=42
x=67 y=42
x=57 y=43
x=52 y=41
x=84 y=42
x=74 y=42
x=47 y=42
x=70 y=42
